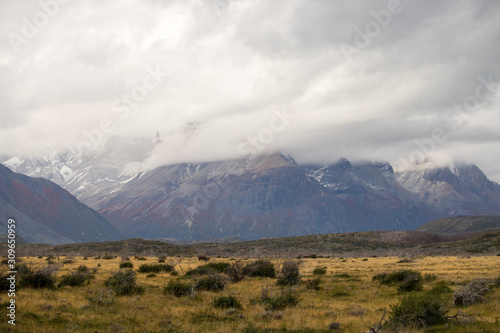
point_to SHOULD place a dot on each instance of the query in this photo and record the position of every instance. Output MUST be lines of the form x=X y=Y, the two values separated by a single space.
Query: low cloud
x=230 y=65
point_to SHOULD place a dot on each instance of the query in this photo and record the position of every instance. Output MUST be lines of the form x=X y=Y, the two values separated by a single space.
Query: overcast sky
x=376 y=80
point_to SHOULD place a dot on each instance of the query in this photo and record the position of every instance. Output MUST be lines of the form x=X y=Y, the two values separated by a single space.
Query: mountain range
x=264 y=196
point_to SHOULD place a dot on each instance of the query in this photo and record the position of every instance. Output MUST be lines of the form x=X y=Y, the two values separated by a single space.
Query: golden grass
x=348 y=293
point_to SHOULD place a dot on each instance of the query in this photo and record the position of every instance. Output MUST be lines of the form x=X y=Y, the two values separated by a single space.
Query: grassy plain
x=348 y=296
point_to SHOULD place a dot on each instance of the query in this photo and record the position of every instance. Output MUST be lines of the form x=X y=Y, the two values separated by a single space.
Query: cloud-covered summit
x=382 y=80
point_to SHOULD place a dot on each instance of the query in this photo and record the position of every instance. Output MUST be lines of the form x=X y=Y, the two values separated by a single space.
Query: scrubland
x=334 y=294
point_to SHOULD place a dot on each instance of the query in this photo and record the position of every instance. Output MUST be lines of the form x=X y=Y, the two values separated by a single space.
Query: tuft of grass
x=226 y=302
x=100 y=297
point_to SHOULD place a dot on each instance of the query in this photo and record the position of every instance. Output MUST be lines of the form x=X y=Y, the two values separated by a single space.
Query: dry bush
x=36 y=277
x=289 y=273
x=472 y=293
x=235 y=271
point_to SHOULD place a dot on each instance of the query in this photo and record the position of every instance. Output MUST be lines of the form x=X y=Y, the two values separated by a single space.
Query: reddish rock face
x=45 y=212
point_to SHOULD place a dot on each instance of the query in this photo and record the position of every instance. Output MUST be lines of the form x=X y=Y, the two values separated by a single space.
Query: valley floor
x=347 y=297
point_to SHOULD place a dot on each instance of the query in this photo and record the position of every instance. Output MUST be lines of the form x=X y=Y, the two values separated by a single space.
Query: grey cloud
x=231 y=66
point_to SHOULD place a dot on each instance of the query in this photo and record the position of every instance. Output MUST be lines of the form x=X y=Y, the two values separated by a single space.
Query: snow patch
x=13 y=162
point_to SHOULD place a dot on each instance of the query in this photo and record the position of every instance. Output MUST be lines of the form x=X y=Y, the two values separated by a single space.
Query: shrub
x=220 y=267
x=417 y=309
x=36 y=277
x=213 y=267
x=226 y=302
x=440 y=288
x=406 y=279
x=472 y=293
x=319 y=270
x=124 y=283
x=334 y=326
x=496 y=282
x=412 y=282
x=82 y=268
x=261 y=268
x=155 y=268
x=214 y=282
x=151 y=275
x=314 y=283
x=235 y=271
x=177 y=288
x=75 y=279
x=161 y=259
x=287 y=297
x=289 y=273
x=4 y=283
x=395 y=277
x=126 y=264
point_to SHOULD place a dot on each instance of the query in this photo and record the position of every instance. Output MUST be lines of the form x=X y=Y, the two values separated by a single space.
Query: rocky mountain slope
x=373 y=191
x=44 y=212
x=267 y=196
x=459 y=190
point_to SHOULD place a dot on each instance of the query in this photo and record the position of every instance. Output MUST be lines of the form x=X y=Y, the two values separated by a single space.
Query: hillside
x=372 y=243
x=46 y=213
x=461 y=225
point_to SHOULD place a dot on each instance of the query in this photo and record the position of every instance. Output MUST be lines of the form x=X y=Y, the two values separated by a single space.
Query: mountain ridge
x=267 y=195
